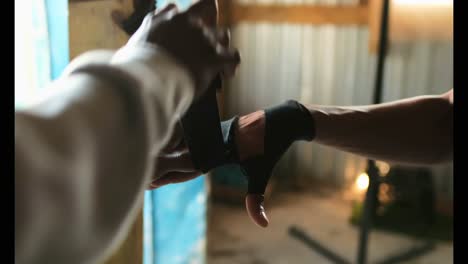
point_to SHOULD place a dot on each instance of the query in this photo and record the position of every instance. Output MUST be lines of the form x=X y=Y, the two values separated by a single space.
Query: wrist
x=250 y=135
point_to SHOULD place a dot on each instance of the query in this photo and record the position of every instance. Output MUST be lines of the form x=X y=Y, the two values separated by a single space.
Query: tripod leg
x=368 y=212
x=409 y=254
x=306 y=239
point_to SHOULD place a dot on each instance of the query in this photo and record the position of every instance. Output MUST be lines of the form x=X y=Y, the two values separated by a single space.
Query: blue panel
x=182 y=4
x=180 y=223
x=175 y=216
x=175 y=223
x=148 y=232
x=57 y=23
x=41 y=38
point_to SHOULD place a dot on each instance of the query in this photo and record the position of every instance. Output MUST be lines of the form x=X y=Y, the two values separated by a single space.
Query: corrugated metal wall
x=330 y=64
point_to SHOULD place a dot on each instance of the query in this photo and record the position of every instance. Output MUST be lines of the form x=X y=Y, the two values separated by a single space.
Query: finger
x=223 y=37
x=206 y=10
x=147 y=18
x=167 y=12
x=177 y=147
x=227 y=55
x=256 y=209
x=166 y=9
x=219 y=39
x=227 y=60
x=216 y=36
x=181 y=147
x=175 y=144
x=175 y=177
x=181 y=162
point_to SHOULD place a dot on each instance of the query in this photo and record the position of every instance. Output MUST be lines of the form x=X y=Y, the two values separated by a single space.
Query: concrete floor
x=234 y=239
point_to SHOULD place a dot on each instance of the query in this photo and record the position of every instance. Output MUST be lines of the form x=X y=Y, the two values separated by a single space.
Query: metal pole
x=372 y=170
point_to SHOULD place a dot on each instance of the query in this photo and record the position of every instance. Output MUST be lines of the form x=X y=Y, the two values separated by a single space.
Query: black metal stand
x=370 y=202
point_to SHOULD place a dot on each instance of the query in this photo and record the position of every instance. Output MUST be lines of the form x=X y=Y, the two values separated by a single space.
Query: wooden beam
x=298 y=14
x=225 y=11
x=375 y=10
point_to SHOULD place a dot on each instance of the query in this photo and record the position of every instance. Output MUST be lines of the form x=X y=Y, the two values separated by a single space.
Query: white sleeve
x=83 y=155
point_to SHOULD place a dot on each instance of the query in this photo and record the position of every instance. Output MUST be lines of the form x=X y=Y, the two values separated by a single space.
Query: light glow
x=362 y=182
x=383 y=167
x=424 y=2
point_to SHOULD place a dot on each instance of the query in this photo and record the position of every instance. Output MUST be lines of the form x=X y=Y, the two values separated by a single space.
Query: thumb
x=227 y=60
x=257 y=178
x=220 y=40
x=256 y=209
x=206 y=10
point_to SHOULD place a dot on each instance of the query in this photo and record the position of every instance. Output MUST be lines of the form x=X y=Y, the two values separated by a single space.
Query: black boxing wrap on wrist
x=289 y=121
x=202 y=130
x=212 y=143
x=284 y=124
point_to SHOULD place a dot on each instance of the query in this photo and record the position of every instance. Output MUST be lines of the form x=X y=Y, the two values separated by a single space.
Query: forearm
x=417 y=130
x=83 y=156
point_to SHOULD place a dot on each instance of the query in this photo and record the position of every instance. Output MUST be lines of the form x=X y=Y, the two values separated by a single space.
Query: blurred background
x=316 y=52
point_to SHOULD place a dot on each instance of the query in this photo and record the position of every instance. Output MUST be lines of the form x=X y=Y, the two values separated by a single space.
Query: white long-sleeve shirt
x=84 y=154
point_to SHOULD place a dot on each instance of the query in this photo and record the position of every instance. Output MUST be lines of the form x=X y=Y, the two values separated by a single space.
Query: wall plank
x=91 y=27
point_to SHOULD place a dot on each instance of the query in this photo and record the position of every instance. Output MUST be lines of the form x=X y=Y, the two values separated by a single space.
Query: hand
x=176 y=141
x=250 y=143
x=173 y=167
x=174 y=163
x=192 y=38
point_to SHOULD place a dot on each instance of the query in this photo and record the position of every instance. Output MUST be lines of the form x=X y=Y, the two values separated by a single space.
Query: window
x=41 y=46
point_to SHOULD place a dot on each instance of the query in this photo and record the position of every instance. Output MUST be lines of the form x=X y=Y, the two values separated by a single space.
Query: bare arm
x=416 y=130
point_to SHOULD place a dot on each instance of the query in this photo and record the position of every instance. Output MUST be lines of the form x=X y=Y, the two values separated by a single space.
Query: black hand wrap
x=202 y=131
x=212 y=144
x=284 y=124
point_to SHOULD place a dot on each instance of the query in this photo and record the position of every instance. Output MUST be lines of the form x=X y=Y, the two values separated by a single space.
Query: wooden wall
x=91 y=27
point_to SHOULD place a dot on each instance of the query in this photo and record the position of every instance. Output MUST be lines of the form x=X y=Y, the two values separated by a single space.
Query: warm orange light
x=362 y=182
x=384 y=193
x=421 y=20
x=423 y=2
x=412 y=20
x=383 y=167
